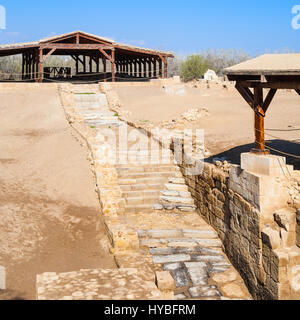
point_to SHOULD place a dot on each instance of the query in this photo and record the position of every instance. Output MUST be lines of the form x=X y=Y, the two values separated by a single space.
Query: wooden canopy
x=268 y=72
x=125 y=59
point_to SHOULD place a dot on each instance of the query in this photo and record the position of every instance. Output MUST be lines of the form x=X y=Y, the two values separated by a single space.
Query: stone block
x=271 y=238
x=204 y=292
x=198 y=273
x=171 y=258
x=165 y=281
x=269 y=165
x=181 y=279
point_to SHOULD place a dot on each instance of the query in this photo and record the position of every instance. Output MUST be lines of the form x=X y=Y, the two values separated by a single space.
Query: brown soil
x=50 y=219
x=228 y=128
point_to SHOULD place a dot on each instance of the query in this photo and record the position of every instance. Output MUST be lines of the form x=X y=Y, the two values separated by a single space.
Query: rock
x=171 y=258
x=271 y=238
x=282 y=220
x=232 y=290
x=181 y=279
x=165 y=281
x=158 y=207
x=225 y=277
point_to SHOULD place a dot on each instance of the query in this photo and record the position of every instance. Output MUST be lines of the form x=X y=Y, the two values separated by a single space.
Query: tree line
x=188 y=68
x=194 y=66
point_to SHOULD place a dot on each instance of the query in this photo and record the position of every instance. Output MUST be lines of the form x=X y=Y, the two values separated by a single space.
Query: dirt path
x=49 y=211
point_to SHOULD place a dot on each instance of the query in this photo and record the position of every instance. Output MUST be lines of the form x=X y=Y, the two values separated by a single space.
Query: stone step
x=141 y=200
x=144 y=193
x=141 y=208
x=145 y=181
x=142 y=187
x=139 y=175
x=180 y=243
x=147 y=168
x=176 y=187
x=174 y=206
x=171 y=193
x=177 y=181
x=189 y=235
x=177 y=200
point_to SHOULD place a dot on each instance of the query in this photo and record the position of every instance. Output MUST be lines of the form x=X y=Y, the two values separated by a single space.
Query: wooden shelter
x=89 y=51
x=269 y=72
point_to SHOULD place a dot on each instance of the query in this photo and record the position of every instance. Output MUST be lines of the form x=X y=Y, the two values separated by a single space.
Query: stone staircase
x=156 y=229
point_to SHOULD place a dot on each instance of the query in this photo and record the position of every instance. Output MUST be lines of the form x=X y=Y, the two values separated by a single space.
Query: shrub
x=194 y=67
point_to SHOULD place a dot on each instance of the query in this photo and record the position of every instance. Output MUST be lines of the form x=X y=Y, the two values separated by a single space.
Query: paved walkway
x=152 y=223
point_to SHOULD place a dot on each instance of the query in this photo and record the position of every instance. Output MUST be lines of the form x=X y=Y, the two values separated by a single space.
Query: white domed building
x=210 y=75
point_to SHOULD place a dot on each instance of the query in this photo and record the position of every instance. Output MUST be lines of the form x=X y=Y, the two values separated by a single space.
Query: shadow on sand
x=234 y=154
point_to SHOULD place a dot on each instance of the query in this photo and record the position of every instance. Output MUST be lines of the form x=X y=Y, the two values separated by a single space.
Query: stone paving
x=152 y=224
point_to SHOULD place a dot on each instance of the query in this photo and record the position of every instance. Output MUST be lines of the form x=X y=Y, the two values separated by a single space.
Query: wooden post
x=140 y=69
x=91 y=64
x=77 y=65
x=84 y=64
x=154 y=68
x=104 y=68
x=259 y=122
x=160 y=69
x=166 y=68
x=97 y=64
x=113 y=65
x=41 y=66
x=145 y=69
x=23 y=65
x=37 y=65
x=130 y=68
x=150 y=68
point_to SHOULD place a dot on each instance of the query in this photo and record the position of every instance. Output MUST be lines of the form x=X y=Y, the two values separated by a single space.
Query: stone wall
x=237 y=206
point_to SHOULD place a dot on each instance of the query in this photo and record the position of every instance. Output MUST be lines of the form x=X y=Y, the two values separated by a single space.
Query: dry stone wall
x=236 y=205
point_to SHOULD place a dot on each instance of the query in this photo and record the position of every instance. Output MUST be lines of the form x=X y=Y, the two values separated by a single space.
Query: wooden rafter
x=48 y=54
x=105 y=54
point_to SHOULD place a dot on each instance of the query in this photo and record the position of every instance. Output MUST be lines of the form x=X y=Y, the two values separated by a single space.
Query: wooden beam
x=106 y=55
x=246 y=94
x=268 y=100
x=292 y=85
x=76 y=46
x=259 y=125
x=113 y=66
x=77 y=37
x=41 y=65
x=48 y=54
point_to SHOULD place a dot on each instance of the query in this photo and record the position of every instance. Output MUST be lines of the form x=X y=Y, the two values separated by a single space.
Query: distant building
x=210 y=75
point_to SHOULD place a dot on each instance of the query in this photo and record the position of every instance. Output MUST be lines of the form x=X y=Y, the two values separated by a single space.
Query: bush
x=194 y=67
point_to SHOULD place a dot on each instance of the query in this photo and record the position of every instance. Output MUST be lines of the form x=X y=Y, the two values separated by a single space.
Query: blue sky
x=181 y=26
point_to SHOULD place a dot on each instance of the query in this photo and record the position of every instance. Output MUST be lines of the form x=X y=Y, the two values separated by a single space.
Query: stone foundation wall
x=233 y=204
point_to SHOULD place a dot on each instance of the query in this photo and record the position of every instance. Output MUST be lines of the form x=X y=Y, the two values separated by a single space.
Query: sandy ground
x=229 y=126
x=48 y=205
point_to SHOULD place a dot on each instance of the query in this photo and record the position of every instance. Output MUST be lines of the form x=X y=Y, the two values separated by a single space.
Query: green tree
x=194 y=67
